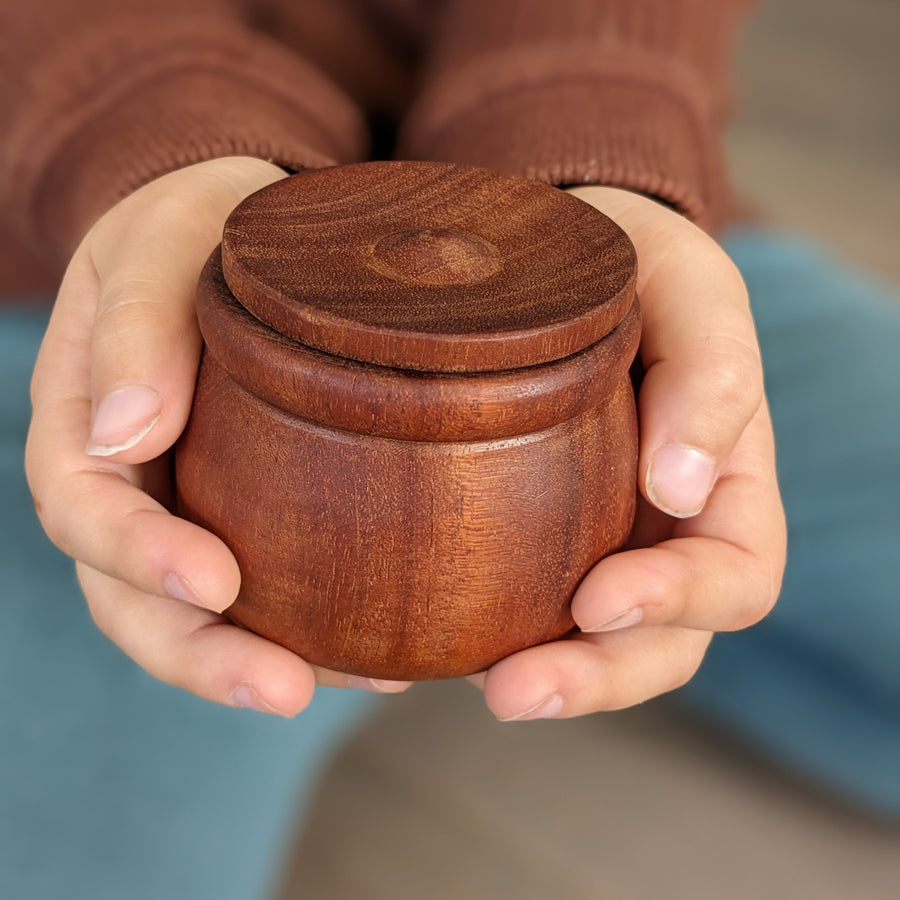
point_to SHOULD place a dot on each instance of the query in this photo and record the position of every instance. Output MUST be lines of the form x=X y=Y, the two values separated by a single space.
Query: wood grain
x=429 y=266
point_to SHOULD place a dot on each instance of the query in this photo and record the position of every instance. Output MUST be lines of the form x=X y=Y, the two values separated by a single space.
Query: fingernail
x=179 y=588
x=122 y=419
x=624 y=619
x=680 y=479
x=548 y=708
x=379 y=685
x=245 y=697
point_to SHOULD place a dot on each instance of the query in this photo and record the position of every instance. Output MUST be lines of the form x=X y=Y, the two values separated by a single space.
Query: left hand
x=707 y=551
x=111 y=392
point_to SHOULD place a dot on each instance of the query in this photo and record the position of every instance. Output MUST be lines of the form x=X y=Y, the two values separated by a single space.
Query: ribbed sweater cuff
x=563 y=116
x=180 y=101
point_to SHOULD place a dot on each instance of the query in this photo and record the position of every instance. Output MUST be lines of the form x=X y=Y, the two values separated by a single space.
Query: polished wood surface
x=420 y=520
x=429 y=266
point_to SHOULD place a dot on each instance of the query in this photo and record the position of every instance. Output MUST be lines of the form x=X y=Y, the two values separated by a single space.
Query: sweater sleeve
x=101 y=96
x=630 y=93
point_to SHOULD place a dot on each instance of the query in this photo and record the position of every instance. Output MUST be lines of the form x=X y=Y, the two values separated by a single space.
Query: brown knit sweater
x=99 y=96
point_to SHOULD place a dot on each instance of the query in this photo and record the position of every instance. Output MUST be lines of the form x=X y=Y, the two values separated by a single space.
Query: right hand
x=707 y=551
x=111 y=393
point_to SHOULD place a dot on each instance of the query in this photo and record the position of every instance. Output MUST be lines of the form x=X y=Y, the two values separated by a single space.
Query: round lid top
x=429 y=266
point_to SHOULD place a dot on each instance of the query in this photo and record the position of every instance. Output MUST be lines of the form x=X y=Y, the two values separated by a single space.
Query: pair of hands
x=112 y=390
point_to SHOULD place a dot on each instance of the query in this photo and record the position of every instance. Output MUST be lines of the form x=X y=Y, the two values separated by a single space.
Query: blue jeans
x=115 y=786
x=817 y=684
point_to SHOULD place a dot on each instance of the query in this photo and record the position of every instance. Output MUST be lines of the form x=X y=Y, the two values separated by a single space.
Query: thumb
x=145 y=345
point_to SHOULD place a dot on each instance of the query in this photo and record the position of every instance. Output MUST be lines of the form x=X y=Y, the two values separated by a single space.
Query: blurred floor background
x=434 y=799
x=816 y=139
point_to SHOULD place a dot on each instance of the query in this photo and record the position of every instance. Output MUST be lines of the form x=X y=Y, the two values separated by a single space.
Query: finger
x=198 y=650
x=203 y=653
x=94 y=514
x=703 y=375
x=592 y=673
x=94 y=510
x=331 y=678
x=721 y=571
x=148 y=253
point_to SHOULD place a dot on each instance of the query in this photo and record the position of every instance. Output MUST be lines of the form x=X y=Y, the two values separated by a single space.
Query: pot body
x=405 y=559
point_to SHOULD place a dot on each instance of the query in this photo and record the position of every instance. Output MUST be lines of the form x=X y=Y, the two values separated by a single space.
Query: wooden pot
x=414 y=424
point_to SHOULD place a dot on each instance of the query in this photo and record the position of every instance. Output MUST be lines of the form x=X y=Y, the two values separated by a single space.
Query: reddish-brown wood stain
x=413 y=424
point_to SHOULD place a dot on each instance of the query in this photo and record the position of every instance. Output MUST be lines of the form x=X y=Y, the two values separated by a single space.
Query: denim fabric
x=817 y=683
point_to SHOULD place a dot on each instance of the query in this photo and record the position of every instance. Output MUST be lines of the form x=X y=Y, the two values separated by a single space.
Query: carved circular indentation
x=435 y=256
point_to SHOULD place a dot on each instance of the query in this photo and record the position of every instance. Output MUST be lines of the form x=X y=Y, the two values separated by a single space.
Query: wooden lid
x=429 y=266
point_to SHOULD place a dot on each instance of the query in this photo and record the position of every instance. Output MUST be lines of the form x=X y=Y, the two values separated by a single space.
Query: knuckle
x=736 y=379
x=766 y=599
x=50 y=520
x=124 y=548
x=163 y=206
x=155 y=216
x=759 y=600
x=686 y=672
x=101 y=612
x=195 y=200
x=150 y=210
x=48 y=489
x=689 y=663
x=222 y=184
x=50 y=514
x=671 y=576
x=722 y=269
x=127 y=297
